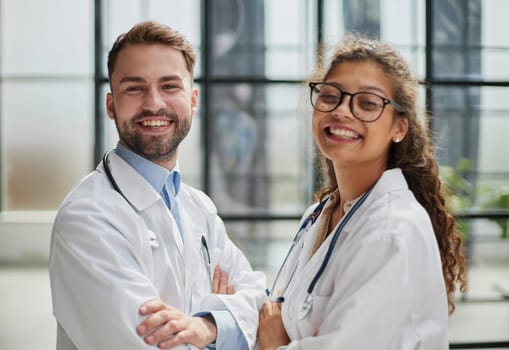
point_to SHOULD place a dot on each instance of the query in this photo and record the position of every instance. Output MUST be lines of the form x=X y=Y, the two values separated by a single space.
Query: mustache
x=160 y=113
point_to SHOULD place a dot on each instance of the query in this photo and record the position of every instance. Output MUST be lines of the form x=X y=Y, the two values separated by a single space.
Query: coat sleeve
x=249 y=285
x=98 y=278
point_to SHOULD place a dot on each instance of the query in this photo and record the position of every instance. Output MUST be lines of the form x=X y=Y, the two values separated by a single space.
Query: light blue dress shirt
x=167 y=184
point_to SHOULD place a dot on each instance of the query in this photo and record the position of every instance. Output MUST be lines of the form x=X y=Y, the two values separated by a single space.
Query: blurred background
x=250 y=147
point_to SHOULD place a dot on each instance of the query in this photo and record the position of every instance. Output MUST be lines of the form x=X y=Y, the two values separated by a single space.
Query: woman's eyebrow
x=372 y=88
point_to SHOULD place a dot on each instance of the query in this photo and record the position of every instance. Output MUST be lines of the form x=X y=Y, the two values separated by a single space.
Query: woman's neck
x=353 y=182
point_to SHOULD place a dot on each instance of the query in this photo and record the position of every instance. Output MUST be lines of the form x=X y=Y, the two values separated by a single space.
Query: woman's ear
x=401 y=129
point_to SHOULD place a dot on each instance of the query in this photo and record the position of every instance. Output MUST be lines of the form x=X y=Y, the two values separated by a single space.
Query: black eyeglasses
x=365 y=106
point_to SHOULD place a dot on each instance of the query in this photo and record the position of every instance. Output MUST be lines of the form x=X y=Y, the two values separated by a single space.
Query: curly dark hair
x=414 y=155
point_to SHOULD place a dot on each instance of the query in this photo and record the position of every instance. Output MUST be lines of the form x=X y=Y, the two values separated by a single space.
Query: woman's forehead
x=366 y=75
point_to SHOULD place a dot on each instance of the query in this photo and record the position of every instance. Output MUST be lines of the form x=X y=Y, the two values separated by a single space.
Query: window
x=250 y=147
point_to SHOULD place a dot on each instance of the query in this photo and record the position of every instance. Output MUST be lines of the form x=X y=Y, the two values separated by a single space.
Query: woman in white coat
x=377 y=259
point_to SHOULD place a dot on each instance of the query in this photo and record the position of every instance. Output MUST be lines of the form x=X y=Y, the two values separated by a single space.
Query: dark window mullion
x=206 y=128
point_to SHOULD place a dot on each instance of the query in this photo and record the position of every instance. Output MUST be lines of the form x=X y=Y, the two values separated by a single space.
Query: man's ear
x=110 y=107
x=194 y=100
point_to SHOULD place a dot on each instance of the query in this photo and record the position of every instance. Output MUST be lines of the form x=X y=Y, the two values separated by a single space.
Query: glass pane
x=471 y=124
x=265 y=243
x=495 y=52
x=260 y=149
x=237 y=46
x=47 y=142
x=399 y=22
x=494 y=128
x=121 y=15
x=290 y=43
x=43 y=41
x=456 y=121
x=457 y=39
x=468 y=41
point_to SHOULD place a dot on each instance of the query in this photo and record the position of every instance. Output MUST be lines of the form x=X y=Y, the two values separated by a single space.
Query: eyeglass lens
x=363 y=105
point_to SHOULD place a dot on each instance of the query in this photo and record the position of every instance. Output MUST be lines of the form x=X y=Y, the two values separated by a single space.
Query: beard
x=157 y=148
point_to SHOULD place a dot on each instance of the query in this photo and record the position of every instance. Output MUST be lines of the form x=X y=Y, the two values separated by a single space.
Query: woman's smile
x=342 y=133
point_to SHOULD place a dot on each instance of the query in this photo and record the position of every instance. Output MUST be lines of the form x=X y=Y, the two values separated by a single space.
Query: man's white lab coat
x=108 y=257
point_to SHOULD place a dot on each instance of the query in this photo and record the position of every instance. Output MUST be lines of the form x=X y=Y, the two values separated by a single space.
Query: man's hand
x=166 y=327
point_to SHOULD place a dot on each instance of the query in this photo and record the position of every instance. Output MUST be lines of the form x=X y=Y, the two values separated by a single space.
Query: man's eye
x=169 y=86
x=134 y=88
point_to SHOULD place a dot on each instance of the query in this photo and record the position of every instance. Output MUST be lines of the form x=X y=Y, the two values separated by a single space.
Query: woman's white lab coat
x=383 y=288
x=108 y=257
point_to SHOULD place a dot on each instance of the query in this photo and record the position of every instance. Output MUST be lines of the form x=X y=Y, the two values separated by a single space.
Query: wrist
x=210 y=324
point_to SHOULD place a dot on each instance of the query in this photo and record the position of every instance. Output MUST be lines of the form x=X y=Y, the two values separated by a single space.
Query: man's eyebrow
x=135 y=79
x=171 y=78
x=129 y=79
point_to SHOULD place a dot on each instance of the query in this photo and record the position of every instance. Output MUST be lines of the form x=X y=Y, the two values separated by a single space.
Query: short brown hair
x=151 y=32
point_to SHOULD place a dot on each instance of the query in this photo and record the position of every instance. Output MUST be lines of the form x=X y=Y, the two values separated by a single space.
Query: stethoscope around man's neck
x=109 y=175
x=308 y=222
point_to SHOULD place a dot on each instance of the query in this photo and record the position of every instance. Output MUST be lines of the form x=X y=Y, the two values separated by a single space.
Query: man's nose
x=154 y=100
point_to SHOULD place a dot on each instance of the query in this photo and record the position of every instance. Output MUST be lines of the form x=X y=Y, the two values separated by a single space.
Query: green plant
x=462 y=195
x=458 y=191
x=496 y=197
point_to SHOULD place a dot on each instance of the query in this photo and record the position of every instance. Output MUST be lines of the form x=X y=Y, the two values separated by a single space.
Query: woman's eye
x=369 y=103
x=329 y=98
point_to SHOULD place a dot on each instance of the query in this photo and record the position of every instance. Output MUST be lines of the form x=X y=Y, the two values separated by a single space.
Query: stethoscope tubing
x=334 y=239
x=308 y=222
x=111 y=179
x=304 y=227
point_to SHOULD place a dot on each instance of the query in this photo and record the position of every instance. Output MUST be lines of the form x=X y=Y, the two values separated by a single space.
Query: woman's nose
x=343 y=108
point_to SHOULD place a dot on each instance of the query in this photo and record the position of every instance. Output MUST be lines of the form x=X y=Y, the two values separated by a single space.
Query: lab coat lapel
x=137 y=190
x=195 y=225
x=142 y=195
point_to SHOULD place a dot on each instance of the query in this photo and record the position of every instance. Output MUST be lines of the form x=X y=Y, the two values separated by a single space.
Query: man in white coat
x=134 y=248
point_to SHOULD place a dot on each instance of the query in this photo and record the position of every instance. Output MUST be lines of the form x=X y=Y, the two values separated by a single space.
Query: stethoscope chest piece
x=306 y=306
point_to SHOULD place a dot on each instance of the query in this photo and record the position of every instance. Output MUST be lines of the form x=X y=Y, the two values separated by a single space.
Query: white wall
x=25 y=237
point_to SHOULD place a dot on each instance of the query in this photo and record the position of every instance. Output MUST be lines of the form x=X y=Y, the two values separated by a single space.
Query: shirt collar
x=156 y=175
x=334 y=198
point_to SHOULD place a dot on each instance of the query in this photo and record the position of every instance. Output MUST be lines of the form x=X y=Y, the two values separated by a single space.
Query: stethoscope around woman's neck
x=306 y=224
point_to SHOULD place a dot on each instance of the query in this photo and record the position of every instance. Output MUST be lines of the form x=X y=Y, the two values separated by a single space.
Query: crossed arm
x=166 y=326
